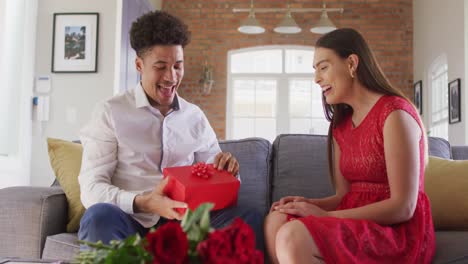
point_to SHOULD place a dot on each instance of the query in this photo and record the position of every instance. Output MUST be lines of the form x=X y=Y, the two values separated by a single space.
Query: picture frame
x=454 y=101
x=417 y=95
x=75 y=42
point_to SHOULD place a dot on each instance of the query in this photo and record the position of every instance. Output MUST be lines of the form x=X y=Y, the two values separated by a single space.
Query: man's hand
x=158 y=203
x=225 y=160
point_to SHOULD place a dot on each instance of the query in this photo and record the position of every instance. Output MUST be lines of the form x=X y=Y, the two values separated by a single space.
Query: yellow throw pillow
x=65 y=159
x=446 y=185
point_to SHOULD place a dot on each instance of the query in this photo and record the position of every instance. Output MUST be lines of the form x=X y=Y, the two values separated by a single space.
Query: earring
x=352 y=74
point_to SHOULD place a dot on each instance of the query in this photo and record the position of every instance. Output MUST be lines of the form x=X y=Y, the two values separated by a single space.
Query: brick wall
x=386 y=24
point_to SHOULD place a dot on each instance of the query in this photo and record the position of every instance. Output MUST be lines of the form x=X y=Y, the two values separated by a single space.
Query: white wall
x=71 y=93
x=439 y=28
x=464 y=92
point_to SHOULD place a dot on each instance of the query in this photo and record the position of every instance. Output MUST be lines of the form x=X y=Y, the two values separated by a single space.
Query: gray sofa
x=33 y=219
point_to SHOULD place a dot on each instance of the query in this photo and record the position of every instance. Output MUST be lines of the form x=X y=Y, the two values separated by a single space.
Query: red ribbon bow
x=201 y=170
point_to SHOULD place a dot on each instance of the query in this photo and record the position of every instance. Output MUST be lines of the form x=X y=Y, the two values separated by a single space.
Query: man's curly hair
x=158 y=28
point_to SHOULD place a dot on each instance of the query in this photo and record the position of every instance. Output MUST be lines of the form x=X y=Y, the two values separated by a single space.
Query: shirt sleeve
x=99 y=162
x=210 y=146
x=209 y=143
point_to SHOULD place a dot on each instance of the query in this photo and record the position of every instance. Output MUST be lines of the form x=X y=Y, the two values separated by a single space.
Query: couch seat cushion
x=61 y=247
x=451 y=247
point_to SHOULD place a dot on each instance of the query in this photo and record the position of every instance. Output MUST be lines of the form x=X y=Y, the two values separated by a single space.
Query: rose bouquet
x=190 y=241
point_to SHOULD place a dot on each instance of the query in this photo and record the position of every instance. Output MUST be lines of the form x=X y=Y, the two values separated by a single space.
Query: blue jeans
x=108 y=222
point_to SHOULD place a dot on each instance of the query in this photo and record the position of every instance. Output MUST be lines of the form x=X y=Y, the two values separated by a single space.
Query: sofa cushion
x=446 y=185
x=460 y=152
x=451 y=247
x=253 y=155
x=61 y=246
x=65 y=159
x=300 y=166
x=439 y=147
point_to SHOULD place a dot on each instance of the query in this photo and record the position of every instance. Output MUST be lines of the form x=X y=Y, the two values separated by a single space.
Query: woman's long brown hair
x=344 y=42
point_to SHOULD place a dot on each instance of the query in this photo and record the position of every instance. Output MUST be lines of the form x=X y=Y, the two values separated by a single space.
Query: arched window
x=438 y=81
x=271 y=90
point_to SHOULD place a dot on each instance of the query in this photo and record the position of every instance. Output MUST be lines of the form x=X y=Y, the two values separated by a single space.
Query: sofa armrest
x=27 y=216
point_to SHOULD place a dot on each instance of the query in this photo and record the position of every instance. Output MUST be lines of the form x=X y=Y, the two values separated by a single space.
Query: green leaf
x=130 y=250
x=193 y=218
x=205 y=220
x=194 y=233
x=187 y=216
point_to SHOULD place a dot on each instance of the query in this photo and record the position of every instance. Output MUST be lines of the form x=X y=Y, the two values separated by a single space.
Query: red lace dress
x=362 y=163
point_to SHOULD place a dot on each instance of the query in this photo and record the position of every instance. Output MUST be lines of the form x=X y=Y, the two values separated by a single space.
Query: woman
x=377 y=154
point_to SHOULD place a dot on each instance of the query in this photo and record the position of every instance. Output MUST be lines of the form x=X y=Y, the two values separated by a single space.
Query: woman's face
x=332 y=73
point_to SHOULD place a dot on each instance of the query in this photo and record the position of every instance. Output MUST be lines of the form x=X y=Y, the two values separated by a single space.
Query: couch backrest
x=439 y=147
x=299 y=164
x=460 y=152
x=253 y=155
x=300 y=167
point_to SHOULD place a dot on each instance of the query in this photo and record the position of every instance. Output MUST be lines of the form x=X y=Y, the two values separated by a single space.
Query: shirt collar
x=141 y=100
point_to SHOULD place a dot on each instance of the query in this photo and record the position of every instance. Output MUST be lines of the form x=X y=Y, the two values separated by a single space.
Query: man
x=132 y=137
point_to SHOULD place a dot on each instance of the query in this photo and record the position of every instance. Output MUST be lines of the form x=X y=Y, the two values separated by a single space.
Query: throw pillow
x=446 y=185
x=65 y=159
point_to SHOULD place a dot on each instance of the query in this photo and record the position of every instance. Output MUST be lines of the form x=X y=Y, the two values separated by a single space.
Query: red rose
x=233 y=244
x=244 y=241
x=217 y=248
x=168 y=244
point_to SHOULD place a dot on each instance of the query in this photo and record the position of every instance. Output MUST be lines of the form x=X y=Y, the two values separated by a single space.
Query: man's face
x=162 y=70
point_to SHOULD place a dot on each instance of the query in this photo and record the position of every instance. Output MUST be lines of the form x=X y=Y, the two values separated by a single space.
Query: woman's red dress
x=362 y=163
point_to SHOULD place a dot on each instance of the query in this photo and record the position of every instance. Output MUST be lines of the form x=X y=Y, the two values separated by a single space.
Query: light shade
x=250 y=25
x=324 y=25
x=288 y=25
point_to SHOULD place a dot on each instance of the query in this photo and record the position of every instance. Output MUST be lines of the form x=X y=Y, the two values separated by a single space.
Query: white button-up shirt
x=128 y=143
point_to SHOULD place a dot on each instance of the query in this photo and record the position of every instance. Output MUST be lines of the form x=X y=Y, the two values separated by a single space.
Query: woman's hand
x=301 y=209
x=286 y=200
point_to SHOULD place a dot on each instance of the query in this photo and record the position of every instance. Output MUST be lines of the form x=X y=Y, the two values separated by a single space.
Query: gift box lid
x=185 y=176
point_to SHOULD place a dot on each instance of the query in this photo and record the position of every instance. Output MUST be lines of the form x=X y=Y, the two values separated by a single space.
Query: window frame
x=437 y=70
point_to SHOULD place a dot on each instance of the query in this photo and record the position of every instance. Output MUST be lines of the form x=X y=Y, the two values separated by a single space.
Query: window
x=439 y=98
x=306 y=114
x=9 y=47
x=271 y=91
x=17 y=53
x=254 y=108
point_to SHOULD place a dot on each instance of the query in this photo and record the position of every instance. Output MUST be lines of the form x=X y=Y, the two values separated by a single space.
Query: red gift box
x=199 y=184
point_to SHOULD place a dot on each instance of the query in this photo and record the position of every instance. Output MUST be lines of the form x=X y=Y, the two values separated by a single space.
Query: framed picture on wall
x=454 y=101
x=75 y=42
x=418 y=96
